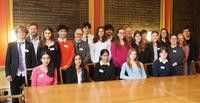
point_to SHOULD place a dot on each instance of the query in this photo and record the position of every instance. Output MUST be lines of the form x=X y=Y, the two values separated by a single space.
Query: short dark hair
x=61 y=27
x=86 y=24
x=155 y=32
x=143 y=31
x=108 y=26
x=31 y=24
x=186 y=27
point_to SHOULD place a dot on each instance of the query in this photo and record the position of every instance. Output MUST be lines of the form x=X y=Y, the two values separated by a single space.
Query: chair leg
x=61 y=77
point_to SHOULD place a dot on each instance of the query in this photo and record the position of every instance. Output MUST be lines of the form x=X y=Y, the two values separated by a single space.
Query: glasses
x=78 y=33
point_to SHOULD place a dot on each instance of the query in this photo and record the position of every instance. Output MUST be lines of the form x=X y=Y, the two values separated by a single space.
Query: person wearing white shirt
x=100 y=42
x=33 y=36
x=87 y=36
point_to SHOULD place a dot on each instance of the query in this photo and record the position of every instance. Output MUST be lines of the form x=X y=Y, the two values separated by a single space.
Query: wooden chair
x=61 y=77
x=26 y=76
x=146 y=67
x=88 y=70
x=19 y=97
x=193 y=65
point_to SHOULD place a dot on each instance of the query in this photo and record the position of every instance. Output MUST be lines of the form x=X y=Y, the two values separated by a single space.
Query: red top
x=67 y=52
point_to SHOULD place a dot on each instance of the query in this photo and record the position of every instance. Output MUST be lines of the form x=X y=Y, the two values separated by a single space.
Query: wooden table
x=180 y=89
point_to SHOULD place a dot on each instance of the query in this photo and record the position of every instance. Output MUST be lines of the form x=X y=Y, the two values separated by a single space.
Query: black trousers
x=117 y=73
x=66 y=76
x=15 y=86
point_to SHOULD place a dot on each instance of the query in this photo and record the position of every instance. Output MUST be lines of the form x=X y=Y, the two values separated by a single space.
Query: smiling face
x=163 y=54
x=109 y=32
x=129 y=32
x=78 y=60
x=105 y=57
x=133 y=55
x=186 y=33
x=45 y=59
x=86 y=30
x=173 y=40
x=121 y=34
x=47 y=34
x=20 y=34
x=163 y=33
x=154 y=37
x=62 y=33
x=138 y=37
x=33 y=30
x=180 y=38
x=101 y=32
x=78 y=34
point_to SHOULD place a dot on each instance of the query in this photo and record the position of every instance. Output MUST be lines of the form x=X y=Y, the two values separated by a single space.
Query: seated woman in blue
x=132 y=69
x=162 y=67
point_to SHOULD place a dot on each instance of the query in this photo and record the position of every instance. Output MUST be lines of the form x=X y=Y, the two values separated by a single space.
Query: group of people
x=114 y=56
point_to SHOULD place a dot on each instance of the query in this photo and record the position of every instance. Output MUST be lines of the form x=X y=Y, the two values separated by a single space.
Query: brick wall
x=54 y=12
x=137 y=14
x=186 y=12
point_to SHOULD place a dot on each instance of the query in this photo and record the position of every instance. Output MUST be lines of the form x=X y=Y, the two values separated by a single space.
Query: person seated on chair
x=104 y=69
x=77 y=72
x=132 y=68
x=162 y=67
x=44 y=74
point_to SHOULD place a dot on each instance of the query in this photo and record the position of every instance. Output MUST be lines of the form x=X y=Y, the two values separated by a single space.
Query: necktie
x=20 y=66
x=78 y=46
x=86 y=38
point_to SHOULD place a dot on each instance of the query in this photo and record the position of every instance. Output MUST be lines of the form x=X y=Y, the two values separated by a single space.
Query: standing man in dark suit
x=20 y=56
x=33 y=36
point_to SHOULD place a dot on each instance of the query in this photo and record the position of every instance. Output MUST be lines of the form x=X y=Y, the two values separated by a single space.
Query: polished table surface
x=179 y=89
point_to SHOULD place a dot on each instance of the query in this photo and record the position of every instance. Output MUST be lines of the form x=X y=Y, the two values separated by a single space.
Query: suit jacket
x=12 y=58
x=83 y=50
x=150 y=51
x=73 y=75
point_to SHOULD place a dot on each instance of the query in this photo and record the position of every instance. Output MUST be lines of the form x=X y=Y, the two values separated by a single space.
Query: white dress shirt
x=96 y=48
x=23 y=49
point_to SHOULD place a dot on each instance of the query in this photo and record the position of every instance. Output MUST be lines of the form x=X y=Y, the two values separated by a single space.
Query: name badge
x=100 y=70
x=51 y=49
x=162 y=67
x=27 y=50
x=174 y=51
x=41 y=75
x=66 y=46
x=81 y=49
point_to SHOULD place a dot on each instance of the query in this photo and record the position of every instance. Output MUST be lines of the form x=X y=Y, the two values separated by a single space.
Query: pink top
x=40 y=78
x=119 y=55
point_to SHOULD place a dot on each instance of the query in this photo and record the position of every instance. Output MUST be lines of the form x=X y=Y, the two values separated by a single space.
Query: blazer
x=73 y=75
x=150 y=51
x=83 y=50
x=12 y=58
x=104 y=72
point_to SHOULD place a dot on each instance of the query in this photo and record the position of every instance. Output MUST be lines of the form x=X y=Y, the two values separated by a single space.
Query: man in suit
x=33 y=35
x=20 y=56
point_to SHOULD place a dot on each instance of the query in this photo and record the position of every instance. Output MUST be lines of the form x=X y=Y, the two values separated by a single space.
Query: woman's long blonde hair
x=136 y=59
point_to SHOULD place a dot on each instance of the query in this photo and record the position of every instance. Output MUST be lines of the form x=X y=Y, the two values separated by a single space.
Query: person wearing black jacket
x=77 y=73
x=20 y=56
x=152 y=50
x=48 y=43
x=193 y=48
x=104 y=70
